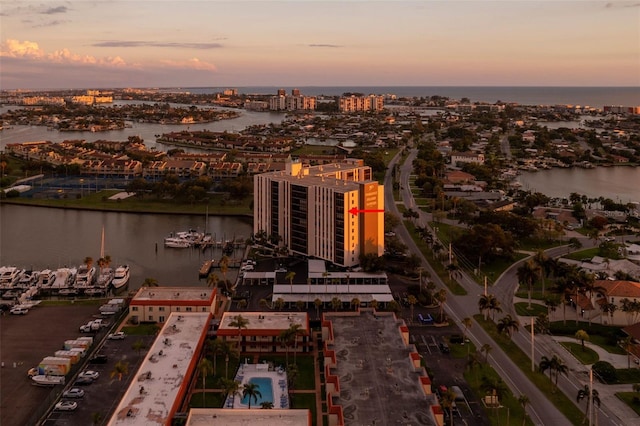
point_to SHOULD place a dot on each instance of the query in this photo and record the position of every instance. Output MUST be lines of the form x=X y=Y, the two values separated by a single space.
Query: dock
x=205 y=269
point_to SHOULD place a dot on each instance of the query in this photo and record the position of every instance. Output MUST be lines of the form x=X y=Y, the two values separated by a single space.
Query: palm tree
x=150 y=282
x=524 y=401
x=88 y=261
x=447 y=399
x=507 y=325
x=286 y=337
x=489 y=303
x=96 y=418
x=453 y=270
x=355 y=303
x=214 y=347
x=289 y=277
x=582 y=336
x=555 y=366
x=212 y=280
x=486 y=348
x=263 y=303
x=119 y=369
x=229 y=387
x=229 y=351
x=279 y=303
x=336 y=303
x=584 y=394
x=205 y=367
x=318 y=304
x=609 y=309
x=374 y=304
x=138 y=346
x=224 y=267
x=239 y=322
x=627 y=345
x=541 y=260
x=412 y=302
x=527 y=274
x=441 y=298
x=250 y=391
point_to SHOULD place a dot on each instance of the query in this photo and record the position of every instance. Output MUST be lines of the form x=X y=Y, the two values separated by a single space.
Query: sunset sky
x=160 y=43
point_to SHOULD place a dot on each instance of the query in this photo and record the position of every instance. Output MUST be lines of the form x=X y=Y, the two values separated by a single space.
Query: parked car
x=98 y=359
x=73 y=393
x=85 y=328
x=83 y=381
x=90 y=374
x=19 y=310
x=444 y=348
x=66 y=406
x=119 y=335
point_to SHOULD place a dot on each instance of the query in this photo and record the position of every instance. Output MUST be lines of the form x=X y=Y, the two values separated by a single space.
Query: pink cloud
x=193 y=63
x=31 y=51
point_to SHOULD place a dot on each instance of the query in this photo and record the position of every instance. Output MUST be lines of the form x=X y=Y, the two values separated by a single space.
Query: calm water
x=39 y=238
x=616 y=183
x=20 y=134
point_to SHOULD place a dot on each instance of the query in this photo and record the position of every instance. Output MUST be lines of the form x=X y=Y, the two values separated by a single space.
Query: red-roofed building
x=618 y=293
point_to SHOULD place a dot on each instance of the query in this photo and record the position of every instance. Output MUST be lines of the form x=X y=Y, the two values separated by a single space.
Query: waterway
x=146 y=131
x=618 y=183
x=38 y=238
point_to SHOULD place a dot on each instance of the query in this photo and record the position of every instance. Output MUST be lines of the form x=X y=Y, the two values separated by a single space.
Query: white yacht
x=177 y=242
x=85 y=276
x=64 y=278
x=46 y=277
x=9 y=276
x=121 y=277
x=105 y=277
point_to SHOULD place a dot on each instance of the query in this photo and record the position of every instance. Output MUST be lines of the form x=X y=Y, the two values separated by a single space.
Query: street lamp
x=81 y=187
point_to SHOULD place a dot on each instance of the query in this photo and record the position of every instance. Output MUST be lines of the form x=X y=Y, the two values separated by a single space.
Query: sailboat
x=106 y=273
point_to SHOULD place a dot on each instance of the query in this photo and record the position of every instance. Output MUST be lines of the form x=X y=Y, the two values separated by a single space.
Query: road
x=540 y=409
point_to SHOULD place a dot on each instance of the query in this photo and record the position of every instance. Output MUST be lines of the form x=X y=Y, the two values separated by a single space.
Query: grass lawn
x=531 y=244
x=306 y=378
x=81 y=302
x=628 y=375
x=584 y=355
x=606 y=337
x=211 y=400
x=305 y=400
x=522 y=309
x=141 y=329
x=631 y=399
x=510 y=411
x=583 y=254
x=437 y=266
x=100 y=201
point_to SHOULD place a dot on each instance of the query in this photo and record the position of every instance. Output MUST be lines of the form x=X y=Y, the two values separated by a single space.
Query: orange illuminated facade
x=307 y=210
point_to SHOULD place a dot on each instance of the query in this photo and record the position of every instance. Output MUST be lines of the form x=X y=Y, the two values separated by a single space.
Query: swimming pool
x=265 y=387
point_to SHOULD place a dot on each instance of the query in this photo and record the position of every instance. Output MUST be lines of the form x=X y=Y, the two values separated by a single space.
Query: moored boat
x=205 y=268
x=121 y=277
x=47 y=380
x=177 y=242
x=9 y=276
x=105 y=277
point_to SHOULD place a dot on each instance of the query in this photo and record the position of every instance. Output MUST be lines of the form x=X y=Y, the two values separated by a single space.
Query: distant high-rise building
x=293 y=102
x=361 y=103
x=307 y=209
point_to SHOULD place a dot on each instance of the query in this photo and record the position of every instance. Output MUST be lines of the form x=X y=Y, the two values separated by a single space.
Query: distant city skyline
x=209 y=43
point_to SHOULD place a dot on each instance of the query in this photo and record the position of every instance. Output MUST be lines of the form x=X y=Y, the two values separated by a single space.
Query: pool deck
x=279 y=385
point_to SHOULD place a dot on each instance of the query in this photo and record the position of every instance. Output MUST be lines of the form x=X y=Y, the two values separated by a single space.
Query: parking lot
x=103 y=394
x=27 y=339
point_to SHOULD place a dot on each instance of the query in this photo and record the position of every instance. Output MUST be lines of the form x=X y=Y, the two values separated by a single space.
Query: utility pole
x=533 y=362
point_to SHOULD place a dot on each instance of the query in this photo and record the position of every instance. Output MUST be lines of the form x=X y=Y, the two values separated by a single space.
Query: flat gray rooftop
x=378 y=383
